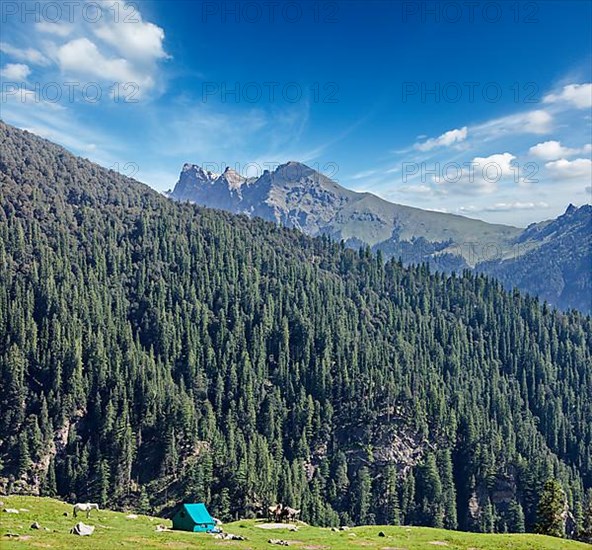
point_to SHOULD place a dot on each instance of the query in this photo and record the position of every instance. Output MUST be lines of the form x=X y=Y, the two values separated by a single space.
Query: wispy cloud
x=364 y=174
x=575 y=95
x=503 y=207
x=58 y=28
x=30 y=55
x=553 y=150
x=538 y=122
x=447 y=139
x=580 y=169
x=62 y=59
x=481 y=175
x=17 y=72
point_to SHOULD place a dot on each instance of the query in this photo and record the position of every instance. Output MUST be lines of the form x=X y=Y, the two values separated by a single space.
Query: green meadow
x=114 y=530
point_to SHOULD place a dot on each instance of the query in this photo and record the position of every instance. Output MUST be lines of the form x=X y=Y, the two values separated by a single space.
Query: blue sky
x=481 y=110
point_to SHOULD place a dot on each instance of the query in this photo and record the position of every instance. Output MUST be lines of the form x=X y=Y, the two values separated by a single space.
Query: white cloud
x=503 y=207
x=516 y=205
x=57 y=28
x=19 y=96
x=552 y=150
x=132 y=37
x=535 y=122
x=502 y=160
x=120 y=48
x=570 y=169
x=16 y=72
x=532 y=122
x=471 y=209
x=82 y=57
x=445 y=140
x=481 y=175
x=554 y=167
x=21 y=99
x=30 y=55
x=364 y=174
x=415 y=189
x=576 y=95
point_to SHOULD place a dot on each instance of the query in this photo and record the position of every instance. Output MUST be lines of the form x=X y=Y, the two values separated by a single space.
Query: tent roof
x=198 y=513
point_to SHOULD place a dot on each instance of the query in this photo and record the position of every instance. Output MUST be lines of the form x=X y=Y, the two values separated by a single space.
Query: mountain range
x=551 y=259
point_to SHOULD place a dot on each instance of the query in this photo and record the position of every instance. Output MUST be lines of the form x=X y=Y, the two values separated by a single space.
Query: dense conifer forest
x=152 y=351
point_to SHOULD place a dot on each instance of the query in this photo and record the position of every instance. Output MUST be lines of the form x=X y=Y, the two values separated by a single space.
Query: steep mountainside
x=298 y=196
x=152 y=351
x=556 y=264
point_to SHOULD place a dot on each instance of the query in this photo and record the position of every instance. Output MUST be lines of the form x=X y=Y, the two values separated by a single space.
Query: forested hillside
x=152 y=351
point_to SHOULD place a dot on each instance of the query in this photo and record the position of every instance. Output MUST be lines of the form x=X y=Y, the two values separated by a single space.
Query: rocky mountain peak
x=570 y=209
x=197 y=170
x=294 y=171
x=192 y=180
x=232 y=178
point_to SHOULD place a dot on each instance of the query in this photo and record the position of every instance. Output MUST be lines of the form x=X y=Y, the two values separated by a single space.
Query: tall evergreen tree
x=550 y=509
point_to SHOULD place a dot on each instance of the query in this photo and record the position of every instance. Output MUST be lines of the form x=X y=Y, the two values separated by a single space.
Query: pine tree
x=224 y=508
x=586 y=530
x=448 y=489
x=550 y=509
x=392 y=510
x=143 y=505
x=103 y=485
x=49 y=486
x=487 y=519
x=428 y=494
x=407 y=499
x=361 y=496
x=515 y=517
x=23 y=455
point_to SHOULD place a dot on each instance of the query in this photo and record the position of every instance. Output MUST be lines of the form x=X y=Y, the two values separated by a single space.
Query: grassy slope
x=113 y=530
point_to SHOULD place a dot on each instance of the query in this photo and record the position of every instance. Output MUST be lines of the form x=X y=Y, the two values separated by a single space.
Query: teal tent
x=193 y=517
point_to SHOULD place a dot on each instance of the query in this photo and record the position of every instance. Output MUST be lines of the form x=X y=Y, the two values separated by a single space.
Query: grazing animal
x=84 y=507
x=289 y=514
x=275 y=512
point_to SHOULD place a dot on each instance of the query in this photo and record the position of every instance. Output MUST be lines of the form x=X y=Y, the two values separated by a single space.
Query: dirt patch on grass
x=140 y=542
x=287 y=526
x=232 y=543
x=438 y=543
